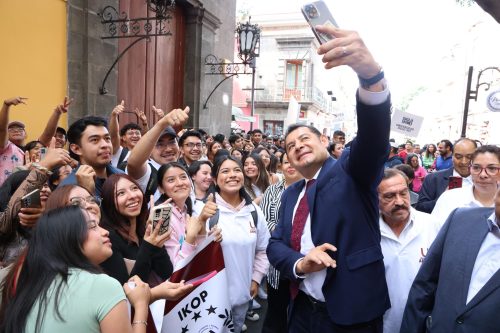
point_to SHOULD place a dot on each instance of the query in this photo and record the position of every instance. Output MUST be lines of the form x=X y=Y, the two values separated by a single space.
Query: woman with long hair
x=256 y=176
x=429 y=156
x=212 y=148
x=269 y=162
x=245 y=236
x=420 y=173
x=137 y=249
x=175 y=185
x=201 y=176
x=60 y=287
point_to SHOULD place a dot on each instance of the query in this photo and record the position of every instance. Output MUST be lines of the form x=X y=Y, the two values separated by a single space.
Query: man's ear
x=324 y=140
x=75 y=149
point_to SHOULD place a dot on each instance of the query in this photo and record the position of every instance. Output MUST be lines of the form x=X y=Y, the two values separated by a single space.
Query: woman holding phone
x=175 y=185
x=137 y=248
x=243 y=227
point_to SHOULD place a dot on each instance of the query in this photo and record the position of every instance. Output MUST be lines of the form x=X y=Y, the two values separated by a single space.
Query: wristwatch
x=367 y=83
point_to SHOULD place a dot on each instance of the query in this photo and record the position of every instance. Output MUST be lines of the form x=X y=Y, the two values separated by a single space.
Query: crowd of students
x=69 y=261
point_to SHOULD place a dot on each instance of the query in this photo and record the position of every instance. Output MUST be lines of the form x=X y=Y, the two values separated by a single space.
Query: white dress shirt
x=487 y=260
x=403 y=257
x=466 y=181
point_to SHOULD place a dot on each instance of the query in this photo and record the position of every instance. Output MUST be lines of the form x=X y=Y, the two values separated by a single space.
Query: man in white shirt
x=457 y=289
x=406 y=235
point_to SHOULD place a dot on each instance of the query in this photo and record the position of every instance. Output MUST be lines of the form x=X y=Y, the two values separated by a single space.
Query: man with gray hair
x=406 y=235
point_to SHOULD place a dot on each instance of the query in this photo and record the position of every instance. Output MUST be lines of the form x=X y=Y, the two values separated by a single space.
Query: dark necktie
x=299 y=221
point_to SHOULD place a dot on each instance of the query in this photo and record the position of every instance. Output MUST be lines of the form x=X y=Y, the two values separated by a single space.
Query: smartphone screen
x=454 y=182
x=202 y=278
x=317 y=13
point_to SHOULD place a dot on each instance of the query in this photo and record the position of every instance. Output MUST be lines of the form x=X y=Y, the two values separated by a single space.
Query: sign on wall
x=493 y=101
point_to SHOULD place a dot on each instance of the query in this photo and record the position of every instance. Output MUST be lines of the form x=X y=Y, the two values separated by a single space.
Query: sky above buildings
x=423 y=45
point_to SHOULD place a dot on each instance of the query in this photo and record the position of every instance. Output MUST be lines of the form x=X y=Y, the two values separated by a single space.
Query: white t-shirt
x=240 y=241
x=116 y=157
x=403 y=256
x=451 y=199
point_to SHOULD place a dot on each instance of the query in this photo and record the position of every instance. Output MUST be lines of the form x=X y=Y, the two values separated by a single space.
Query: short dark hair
x=187 y=134
x=407 y=170
x=62 y=131
x=196 y=165
x=293 y=127
x=129 y=126
x=487 y=149
x=233 y=137
x=338 y=133
x=257 y=131
x=32 y=144
x=447 y=143
x=219 y=138
x=78 y=127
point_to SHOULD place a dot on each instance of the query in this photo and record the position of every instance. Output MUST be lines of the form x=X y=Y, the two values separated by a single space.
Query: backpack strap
x=215 y=218
x=120 y=164
x=152 y=184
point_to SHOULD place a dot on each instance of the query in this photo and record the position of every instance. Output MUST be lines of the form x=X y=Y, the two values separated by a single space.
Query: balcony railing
x=303 y=95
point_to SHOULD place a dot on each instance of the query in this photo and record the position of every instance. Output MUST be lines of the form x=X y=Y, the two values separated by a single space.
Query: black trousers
x=277 y=308
x=309 y=316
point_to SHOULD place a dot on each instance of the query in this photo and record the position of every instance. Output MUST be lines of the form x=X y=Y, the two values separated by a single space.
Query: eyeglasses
x=490 y=170
x=82 y=202
x=191 y=145
x=133 y=133
x=16 y=129
x=162 y=145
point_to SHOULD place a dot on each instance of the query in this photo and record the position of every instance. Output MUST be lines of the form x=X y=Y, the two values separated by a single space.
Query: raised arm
x=51 y=127
x=143 y=120
x=4 y=117
x=137 y=161
x=114 y=126
x=368 y=151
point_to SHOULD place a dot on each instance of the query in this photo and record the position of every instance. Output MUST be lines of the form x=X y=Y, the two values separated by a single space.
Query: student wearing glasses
x=191 y=146
x=485 y=179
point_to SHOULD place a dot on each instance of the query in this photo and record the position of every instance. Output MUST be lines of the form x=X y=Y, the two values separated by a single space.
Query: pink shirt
x=420 y=174
x=11 y=156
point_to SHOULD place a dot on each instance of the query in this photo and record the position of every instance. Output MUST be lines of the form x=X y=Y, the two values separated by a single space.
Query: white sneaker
x=255 y=305
x=252 y=316
x=244 y=328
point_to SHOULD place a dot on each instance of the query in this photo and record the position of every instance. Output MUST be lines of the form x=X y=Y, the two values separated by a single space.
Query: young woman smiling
x=245 y=240
x=137 y=249
x=201 y=175
x=175 y=185
x=256 y=176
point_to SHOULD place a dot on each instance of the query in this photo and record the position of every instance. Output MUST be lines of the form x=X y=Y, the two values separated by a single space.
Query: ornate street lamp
x=248 y=36
x=248 y=49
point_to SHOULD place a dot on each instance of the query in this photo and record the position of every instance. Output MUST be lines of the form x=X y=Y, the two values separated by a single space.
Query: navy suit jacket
x=442 y=283
x=343 y=205
x=434 y=185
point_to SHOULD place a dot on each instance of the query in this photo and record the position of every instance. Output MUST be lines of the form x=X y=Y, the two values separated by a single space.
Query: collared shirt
x=11 y=156
x=444 y=163
x=313 y=282
x=487 y=260
x=455 y=198
x=466 y=181
x=403 y=257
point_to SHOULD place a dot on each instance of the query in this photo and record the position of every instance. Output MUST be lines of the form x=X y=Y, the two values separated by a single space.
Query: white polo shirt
x=403 y=256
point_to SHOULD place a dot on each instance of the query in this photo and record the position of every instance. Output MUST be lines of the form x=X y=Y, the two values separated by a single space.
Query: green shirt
x=84 y=301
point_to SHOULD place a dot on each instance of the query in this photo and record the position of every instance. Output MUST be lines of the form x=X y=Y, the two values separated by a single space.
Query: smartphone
x=43 y=152
x=202 y=278
x=161 y=213
x=31 y=199
x=317 y=13
x=454 y=182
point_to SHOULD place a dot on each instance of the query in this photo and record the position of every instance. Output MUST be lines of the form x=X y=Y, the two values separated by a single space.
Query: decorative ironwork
x=218 y=66
x=472 y=94
x=118 y=25
x=248 y=37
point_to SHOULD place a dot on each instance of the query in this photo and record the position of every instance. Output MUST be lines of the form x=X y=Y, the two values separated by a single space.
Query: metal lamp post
x=248 y=36
x=472 y=94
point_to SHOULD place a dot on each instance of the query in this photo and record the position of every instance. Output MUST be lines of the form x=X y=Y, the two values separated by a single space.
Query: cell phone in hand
x=161 y=214
x=202 y=278
x=454 y=182
x=31 y=199
x=317 y=13
x=43 y=152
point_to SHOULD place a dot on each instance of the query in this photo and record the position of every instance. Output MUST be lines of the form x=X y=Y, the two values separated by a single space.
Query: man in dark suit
x=327 y=241
x=437 y=182
x=457 y=287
